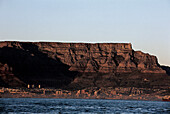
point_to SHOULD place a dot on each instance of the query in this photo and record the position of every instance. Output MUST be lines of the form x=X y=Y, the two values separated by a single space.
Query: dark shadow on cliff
x=34 y=67
x=167 y=69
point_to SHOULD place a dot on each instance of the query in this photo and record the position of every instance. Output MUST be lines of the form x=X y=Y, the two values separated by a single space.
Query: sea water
x=82 y=106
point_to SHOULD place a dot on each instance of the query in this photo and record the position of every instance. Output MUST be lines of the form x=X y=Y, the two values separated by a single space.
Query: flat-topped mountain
x=79 y=65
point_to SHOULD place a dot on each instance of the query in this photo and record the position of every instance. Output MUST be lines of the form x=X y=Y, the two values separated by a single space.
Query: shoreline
x=78 y=98
x=88 y=93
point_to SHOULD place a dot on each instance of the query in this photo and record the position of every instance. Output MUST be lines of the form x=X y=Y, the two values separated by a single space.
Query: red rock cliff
x=59 y=60
x=101 y=57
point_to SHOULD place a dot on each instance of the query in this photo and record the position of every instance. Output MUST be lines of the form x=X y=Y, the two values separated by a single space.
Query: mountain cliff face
x=78 y=65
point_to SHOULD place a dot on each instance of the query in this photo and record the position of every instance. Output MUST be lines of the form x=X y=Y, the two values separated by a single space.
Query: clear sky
x=144 y=23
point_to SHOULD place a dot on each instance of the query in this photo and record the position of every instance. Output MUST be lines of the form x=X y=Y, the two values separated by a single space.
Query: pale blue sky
x=144 y=23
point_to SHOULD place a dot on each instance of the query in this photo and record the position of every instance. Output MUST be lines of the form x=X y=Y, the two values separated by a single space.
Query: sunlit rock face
x=56 y=64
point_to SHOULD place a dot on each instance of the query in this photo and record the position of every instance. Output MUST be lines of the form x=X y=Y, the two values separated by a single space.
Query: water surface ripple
x=83 y=106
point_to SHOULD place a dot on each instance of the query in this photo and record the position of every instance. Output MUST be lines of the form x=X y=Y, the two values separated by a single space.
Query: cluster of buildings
x=97 y=93
x=33 y=86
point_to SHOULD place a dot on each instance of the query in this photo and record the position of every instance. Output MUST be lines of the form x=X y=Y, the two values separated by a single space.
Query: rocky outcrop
x=77 y=64
x=166 y=68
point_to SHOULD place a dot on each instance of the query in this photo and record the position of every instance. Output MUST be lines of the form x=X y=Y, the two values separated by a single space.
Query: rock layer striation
x=78 y=65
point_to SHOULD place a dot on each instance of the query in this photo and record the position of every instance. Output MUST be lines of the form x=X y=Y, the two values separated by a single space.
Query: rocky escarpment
x=78 y=65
